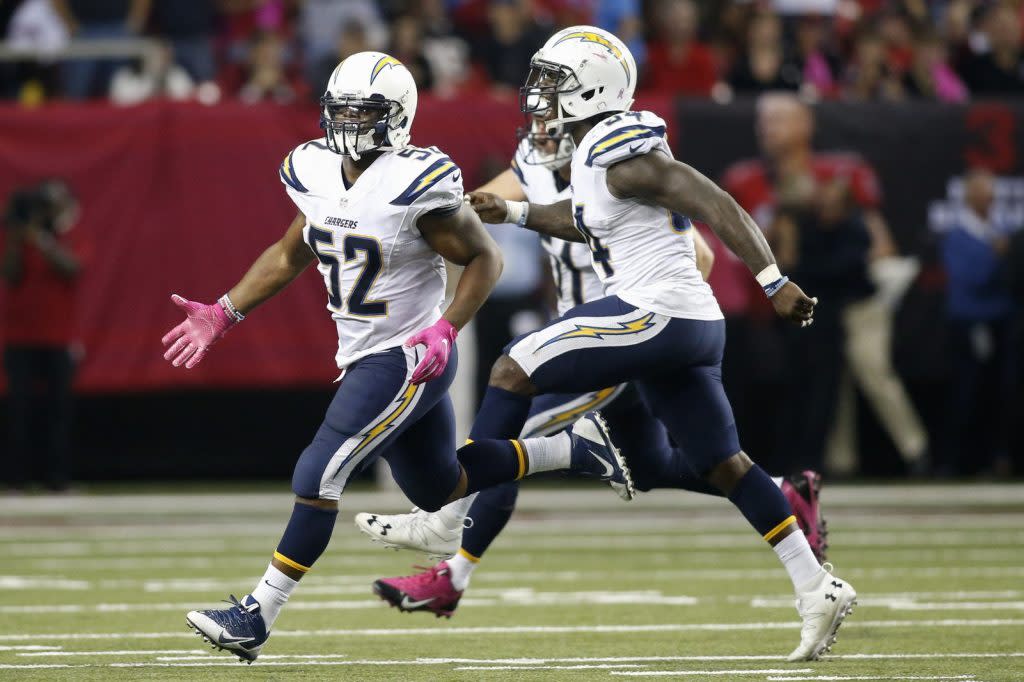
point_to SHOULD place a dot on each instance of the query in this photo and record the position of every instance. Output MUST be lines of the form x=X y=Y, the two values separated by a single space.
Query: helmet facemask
x=541 y=97
x=552 y=151
x=357 y=125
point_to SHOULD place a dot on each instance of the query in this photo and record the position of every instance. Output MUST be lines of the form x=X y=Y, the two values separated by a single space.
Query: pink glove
x=202 y=327
x=439 y=339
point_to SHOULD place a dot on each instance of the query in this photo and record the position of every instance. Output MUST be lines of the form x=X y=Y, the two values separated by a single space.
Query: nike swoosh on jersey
x=633 y=148
x=410 y=604
x=608 y=469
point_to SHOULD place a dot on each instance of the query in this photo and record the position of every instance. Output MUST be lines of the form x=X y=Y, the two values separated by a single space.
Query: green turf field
x=581 y=587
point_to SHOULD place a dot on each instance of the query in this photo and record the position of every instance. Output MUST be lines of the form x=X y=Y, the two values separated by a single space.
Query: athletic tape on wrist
x=230 y=309
x=516 y=212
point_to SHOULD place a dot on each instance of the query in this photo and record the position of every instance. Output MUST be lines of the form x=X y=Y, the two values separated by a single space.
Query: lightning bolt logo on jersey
x=642 y=253
x=383 y=280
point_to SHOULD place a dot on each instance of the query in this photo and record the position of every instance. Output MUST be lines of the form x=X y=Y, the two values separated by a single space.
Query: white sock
x=777 y=480
x=548 y=454
x=272 y=592
x=796 y=555
x=461 y=568
x=454 y=514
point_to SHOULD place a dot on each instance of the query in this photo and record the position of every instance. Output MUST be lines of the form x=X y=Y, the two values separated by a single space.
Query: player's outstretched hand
x=791 y=303
x=490 y=207
x=190 y=340
x=439 y=339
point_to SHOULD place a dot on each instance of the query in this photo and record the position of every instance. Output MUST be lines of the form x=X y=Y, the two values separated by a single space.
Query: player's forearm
x=476 y=283
x=554 y=220
x=734 y=227
x=269 y=274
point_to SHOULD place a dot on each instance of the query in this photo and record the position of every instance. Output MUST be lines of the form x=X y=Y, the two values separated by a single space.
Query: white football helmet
x=552 y=151
x=580 y=72
x=369 y=105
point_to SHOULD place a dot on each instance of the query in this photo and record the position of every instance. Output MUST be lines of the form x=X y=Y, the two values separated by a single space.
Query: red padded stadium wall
x=181 y=198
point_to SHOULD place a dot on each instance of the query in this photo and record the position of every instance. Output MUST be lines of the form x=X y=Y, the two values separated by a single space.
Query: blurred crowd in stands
x=281 y=50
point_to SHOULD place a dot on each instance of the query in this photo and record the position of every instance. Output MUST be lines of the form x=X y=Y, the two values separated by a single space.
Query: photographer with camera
x=40 y=269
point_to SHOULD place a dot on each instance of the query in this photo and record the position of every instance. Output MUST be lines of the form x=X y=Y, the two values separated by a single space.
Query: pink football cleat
x=801 y=490
x=431 y=590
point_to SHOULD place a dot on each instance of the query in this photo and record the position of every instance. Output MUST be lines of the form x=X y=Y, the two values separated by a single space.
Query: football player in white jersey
x=659 y=323
x=379 y=215
x=459 y=534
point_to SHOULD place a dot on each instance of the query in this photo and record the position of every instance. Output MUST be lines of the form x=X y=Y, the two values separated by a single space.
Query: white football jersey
x=384 y=282
x=570 y=261
x=643 y=253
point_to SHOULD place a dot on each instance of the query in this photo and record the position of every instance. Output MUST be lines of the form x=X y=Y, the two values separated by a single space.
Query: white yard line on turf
x=870 y=541
x=601 y=520
x=355 y=584
x=904 y=604
x=679 y=673
x=199 y=655
x=124 y=652
x=531 y=629
x=31 y=647
x=922 y=539
x=684 y=673
x=607 y=666
x=525 y=597
x=871 y=677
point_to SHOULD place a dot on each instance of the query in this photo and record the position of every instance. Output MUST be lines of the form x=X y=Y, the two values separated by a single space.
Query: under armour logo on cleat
x=830 y=596
x=384 y=527
x=837 y=585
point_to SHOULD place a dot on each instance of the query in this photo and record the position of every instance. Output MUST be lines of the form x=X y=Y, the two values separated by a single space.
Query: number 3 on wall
x=352 y=246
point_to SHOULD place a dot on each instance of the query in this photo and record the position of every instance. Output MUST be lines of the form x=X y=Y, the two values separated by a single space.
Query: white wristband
x=516 y=212
x=769 y=275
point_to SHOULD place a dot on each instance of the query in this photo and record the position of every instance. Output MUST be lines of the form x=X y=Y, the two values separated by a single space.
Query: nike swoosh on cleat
x=221 y=639
x=409 y=604
x=608 y=469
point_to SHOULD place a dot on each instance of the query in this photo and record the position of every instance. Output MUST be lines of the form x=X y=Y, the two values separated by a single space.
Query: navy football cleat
x=238 y=629
x=594 y=454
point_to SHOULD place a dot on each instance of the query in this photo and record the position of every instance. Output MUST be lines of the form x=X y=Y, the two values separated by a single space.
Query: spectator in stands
x=98 y=20
x=320 y=22
x=821 y=210
x=505 y=50
x=763 y=68
x=40 y=268
x=407 y=47
x=447 y=53
x=869 y=76
x=131 y=85
x=817 y=65
x=980 y=308
x=267 y=77
x=31 y=25
x=898 y=37
x=189 y=26
x=1000 y=71
x=929 y=76
x=353 y=38
x=677 y=62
